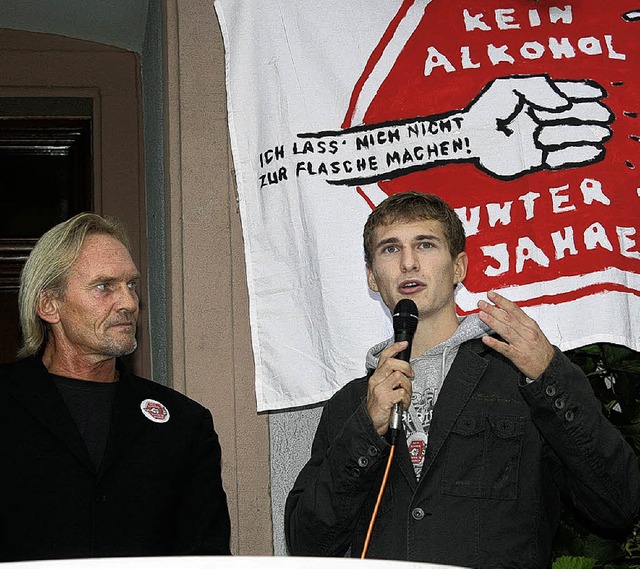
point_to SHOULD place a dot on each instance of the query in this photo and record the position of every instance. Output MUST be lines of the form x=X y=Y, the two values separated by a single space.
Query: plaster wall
x=209 y=341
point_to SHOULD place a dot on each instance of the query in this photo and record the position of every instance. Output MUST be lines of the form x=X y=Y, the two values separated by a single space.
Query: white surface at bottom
x=214 y=562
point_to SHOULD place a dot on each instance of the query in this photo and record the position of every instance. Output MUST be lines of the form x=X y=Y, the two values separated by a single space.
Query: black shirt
x=90 y=404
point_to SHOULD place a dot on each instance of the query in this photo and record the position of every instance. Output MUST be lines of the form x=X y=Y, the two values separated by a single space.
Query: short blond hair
x=48 y=266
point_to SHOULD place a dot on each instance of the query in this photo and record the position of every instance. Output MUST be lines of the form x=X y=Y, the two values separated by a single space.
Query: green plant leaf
x=566 y=562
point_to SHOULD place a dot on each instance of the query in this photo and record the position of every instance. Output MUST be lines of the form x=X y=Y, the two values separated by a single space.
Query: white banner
x=525 y=119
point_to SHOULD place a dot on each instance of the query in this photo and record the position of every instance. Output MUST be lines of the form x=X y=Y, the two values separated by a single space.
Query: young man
x=97 y=462
x=497 y=427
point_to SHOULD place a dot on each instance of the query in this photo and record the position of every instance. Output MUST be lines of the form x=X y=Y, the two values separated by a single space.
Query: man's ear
x=460 y=267
x=48 y=307
x=371 y=279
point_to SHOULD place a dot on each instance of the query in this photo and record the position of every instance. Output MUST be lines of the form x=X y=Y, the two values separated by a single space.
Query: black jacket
x=157 y=492
x=500 y=454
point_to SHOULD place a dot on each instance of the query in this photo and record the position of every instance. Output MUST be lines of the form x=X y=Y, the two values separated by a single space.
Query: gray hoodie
x=429 y=370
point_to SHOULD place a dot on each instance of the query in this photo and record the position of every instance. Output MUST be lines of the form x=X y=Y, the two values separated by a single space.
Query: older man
x=96 y=461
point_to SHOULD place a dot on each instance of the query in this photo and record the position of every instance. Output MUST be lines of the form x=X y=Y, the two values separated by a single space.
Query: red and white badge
x=417 y=444
x=154 y=411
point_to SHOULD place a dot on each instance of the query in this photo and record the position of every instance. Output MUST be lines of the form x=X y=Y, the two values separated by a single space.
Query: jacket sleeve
x=593 y=464
x=347 y=461
x=202 y=525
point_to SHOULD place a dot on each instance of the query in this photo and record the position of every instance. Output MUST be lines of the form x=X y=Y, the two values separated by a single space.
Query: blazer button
x=569 y=415
x=559 y=403
x=372 y=451
x=550 y=390
x=363 y=461
x=417 y=513
x=355 y=472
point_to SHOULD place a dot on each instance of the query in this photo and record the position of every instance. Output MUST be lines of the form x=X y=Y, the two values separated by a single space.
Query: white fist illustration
x=518 y=125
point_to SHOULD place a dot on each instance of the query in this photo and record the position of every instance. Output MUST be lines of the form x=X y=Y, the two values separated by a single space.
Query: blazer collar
x=34 y=389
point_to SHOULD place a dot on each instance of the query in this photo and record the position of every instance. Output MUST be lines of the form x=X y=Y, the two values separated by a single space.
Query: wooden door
x=45 y=178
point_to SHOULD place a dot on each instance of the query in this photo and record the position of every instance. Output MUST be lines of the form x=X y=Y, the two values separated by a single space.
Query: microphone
x=405 y=322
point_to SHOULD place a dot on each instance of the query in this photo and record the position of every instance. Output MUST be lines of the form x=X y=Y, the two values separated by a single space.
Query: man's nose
x=127 y=299
x=409 y=260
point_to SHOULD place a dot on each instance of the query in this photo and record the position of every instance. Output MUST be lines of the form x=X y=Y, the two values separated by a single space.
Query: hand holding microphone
x=391 y=380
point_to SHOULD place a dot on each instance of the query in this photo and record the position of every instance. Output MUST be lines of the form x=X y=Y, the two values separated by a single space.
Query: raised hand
x=524 y=343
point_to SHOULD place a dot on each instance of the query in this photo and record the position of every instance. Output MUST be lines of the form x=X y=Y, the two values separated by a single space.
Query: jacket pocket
x=483 y=456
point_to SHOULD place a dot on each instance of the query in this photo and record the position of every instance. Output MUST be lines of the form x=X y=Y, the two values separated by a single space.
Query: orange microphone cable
x=377 y=506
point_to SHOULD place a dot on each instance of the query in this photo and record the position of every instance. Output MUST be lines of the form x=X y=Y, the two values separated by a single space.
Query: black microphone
x=405 y=322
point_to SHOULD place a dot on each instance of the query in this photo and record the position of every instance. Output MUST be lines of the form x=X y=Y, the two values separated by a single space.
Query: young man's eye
x=390 y=249
x=425 y=245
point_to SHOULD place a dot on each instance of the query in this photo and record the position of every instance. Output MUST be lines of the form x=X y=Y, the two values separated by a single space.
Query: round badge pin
x=154 y=411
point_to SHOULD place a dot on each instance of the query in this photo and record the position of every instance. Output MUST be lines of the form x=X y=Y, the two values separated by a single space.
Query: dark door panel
x=45 y=178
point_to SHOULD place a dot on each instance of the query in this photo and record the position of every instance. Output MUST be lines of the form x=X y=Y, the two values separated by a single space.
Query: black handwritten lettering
x=378 y=137
x=271 y=155
x=274 y=177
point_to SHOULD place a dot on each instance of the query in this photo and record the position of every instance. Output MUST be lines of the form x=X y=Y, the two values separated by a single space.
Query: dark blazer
x=501 y=453
x=158 y=490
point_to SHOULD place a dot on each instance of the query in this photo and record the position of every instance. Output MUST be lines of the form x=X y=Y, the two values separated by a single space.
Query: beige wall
x=210 y=346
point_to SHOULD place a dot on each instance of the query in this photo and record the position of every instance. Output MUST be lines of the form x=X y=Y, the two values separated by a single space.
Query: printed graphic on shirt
x=417 y=422
x=154 y=411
